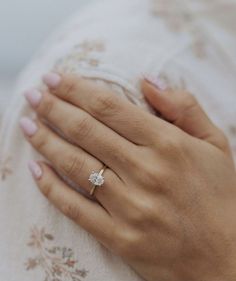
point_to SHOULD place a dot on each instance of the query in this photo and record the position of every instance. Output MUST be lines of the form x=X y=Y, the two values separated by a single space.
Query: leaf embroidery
x=180 y=18
x=58 y=263
x=84 y=54
x=5 y=168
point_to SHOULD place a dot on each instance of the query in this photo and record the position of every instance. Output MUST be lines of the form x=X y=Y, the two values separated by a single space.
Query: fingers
x=72 y=162
x=183 y=110
x=85 y=131
x=75 y=206
x=122 y=116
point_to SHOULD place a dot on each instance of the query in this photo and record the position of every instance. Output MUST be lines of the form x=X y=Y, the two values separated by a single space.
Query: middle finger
x=88 y=133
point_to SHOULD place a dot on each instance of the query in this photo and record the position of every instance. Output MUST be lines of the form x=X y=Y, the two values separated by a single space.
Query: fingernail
x=52 y=80
x=28 y=126
x=156 y=81
x=33 y=96
x=35 y=169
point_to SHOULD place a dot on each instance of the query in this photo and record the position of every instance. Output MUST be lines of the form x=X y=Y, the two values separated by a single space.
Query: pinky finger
x=88 y=214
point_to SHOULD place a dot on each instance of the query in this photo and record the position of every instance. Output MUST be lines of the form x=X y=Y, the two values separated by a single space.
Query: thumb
x=183 y=110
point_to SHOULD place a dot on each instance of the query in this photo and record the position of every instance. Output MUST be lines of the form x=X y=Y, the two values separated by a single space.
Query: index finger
x=119 y=114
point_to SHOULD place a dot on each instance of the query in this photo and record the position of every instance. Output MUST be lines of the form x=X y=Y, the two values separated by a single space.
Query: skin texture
x=173 y=176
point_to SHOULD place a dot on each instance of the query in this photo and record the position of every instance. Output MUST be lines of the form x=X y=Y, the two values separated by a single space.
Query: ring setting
x=97 y=179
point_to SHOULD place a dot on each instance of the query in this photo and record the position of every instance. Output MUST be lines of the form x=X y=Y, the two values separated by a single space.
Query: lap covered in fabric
x=114 y=43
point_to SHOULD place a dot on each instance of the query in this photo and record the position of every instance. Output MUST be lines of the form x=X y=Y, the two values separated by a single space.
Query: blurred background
x=24 y=25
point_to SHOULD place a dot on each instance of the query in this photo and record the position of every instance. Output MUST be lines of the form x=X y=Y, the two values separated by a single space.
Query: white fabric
x=191 y=44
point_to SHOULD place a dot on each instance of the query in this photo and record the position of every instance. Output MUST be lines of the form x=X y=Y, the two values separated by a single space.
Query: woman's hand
x=168 y=203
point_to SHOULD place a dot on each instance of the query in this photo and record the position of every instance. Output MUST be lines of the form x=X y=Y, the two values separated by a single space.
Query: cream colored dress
x=190 y=43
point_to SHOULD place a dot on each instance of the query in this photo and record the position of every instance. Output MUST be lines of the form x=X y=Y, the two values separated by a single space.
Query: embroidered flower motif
x=5 y=168
x=58 y=263
x=83 y=54
x=176 y=16
x=180 y=18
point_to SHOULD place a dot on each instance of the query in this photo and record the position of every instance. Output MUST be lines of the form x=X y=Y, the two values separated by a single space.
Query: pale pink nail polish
x=157 y=82
x=33 y=96
x=52 y=80
x=35 y=169
x=28 y=126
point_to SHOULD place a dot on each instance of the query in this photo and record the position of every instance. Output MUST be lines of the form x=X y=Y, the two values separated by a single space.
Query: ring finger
x=71 y=161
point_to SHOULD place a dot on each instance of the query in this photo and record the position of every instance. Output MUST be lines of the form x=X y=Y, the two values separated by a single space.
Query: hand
x=169 y=200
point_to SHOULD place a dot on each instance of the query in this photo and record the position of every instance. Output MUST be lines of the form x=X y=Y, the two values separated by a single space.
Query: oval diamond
x=96 y=179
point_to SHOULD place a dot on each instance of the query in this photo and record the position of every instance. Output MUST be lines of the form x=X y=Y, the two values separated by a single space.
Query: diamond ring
x=97 y=179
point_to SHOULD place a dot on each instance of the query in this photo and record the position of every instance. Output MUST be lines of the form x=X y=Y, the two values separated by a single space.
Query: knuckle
x=223 y=140
x=148 y=173
x=163 y=175
x=163 y=184
x=175 y=153
x=71 y=211
x=222 y=137
x=126 y=243
x=81 y=129
x=46 y=189
x=104 y=105
x=152 y=176
x=69 y=87
x=47 y=106
x=189 y=102
x=72 y=165
x=172 y=143
x=40 y=141
x=129 y=159
x=133 y=163
x=142 y=212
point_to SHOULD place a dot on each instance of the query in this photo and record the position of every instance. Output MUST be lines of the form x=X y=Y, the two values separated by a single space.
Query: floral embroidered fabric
x=191 y=46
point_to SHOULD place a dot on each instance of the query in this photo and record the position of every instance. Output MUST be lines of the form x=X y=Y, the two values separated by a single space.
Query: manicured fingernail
x=156 y=81
x=35 y=169
x=52 y=80
x=33 y=96
x=28 y=126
